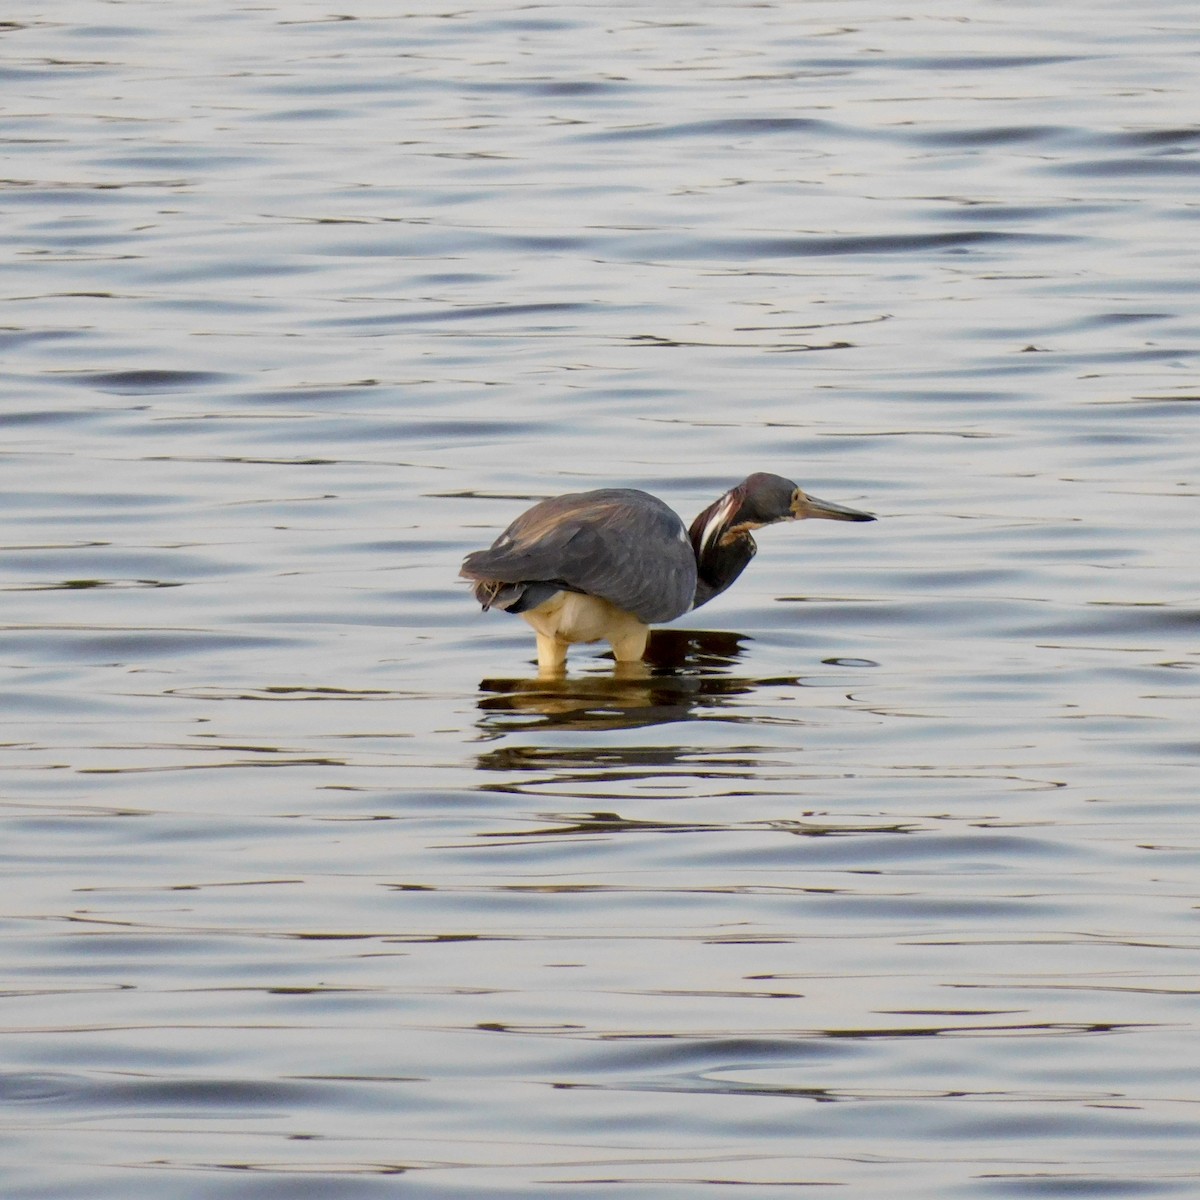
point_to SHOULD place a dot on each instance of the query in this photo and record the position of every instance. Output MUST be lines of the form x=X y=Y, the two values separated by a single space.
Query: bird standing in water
x=606 y=565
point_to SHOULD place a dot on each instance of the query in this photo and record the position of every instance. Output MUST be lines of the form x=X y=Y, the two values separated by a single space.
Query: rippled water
x=884 y=880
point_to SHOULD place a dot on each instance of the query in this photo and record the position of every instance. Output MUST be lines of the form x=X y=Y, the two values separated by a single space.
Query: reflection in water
x=694 y=651
x=681 y=667
x=685 y=678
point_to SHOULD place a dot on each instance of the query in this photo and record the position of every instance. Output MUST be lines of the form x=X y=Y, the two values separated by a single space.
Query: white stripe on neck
x=717 y=522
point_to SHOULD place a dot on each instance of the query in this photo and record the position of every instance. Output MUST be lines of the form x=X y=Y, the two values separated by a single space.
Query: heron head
x=769 y=498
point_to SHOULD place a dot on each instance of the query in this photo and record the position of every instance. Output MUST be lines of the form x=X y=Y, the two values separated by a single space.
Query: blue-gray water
x=883 y=884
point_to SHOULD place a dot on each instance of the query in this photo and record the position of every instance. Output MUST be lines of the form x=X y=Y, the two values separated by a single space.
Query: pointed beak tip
x=826 y=509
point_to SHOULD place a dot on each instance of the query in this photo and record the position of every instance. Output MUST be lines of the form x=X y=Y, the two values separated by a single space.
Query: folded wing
x=622 y=545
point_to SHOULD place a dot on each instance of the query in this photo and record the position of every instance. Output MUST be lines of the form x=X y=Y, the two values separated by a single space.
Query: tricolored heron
x=605 y=565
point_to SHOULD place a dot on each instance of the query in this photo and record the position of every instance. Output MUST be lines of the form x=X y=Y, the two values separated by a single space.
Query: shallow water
x=882 y=880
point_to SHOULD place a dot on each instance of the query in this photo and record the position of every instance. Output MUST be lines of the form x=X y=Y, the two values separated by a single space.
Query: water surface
x=881 y=881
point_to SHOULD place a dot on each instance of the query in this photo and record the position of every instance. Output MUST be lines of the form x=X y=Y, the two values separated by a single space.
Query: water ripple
x=878 y=877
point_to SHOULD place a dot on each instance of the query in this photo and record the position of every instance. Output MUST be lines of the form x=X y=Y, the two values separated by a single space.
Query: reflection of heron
x=685 y=676
x=605 y=565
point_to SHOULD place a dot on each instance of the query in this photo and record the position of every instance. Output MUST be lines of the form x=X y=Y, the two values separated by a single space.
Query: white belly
x=570 y=617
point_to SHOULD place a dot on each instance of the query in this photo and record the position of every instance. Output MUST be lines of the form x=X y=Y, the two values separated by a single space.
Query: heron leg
x=629 y=644
x=552 y=654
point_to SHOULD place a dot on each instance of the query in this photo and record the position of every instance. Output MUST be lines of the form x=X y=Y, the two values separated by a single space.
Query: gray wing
x=623 y=545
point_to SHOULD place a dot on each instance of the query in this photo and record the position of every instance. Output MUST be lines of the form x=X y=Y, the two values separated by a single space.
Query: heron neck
x=720 y=558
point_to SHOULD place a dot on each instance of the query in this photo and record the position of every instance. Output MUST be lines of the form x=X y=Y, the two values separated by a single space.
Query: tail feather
x=513 y=597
